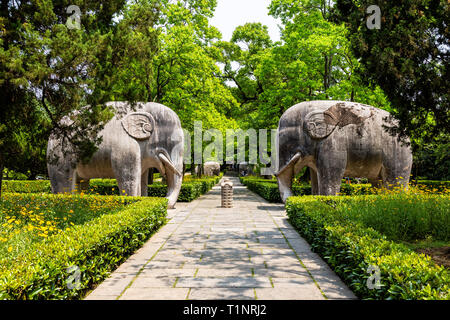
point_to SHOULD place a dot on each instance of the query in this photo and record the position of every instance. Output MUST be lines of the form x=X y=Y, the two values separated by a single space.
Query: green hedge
x=269 y=189
x=26 y=186
x=350 y=248
x=191 y=189
x=96 y=248
x=432 y=185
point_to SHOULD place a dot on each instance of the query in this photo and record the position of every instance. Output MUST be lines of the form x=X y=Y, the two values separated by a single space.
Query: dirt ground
x=439 y=255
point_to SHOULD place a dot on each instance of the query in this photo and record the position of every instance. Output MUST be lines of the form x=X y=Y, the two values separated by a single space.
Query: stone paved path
x=209 y=252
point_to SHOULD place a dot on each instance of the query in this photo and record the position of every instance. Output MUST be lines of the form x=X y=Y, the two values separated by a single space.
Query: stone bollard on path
x=227 y=193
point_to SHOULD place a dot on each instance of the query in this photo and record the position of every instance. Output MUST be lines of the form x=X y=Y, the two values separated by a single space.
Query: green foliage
x=407 y=57
x=165 y=55
x=313 y=61
x=26 y=186
x=350 y=248
x=432 y=160
x=400 y=217
x=47 y=71
x=191 y=189
x=268 y=189
x=26 y=218
x=96 y=247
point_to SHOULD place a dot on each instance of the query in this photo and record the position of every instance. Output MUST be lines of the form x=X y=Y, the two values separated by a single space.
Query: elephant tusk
x=293 y=161
x=169 y=163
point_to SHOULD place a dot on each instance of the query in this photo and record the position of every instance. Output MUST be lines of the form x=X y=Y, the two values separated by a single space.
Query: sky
x=230 y=14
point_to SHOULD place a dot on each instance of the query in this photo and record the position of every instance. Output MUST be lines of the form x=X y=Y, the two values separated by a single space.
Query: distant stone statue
x=245 y=169
x=211 y=168
x=133 y=141
x=336 y=139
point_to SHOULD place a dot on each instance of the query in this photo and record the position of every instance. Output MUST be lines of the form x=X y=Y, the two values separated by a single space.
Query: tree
x=168 y=56
x=241 y=58
x=48 y=70
x=313 y=61
x=408 y=57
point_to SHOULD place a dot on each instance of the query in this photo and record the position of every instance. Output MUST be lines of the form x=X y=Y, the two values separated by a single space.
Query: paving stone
x=164 y=264
x=100 y=297
x=219 y=273
x=153 y=282
x=227 y=282
x=222 y=294
x=298 y=282
x=332 y=286
x=284 y=273
x=168 y=272
x=288 y=293
x=114 y=285
x=155 y=294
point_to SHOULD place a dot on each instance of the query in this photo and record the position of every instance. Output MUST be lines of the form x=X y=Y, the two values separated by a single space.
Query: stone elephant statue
x=211 y=168
x=336 y=139
x=245 y=169
x=133 y=141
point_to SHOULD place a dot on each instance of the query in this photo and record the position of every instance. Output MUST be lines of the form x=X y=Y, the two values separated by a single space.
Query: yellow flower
x=9 y=249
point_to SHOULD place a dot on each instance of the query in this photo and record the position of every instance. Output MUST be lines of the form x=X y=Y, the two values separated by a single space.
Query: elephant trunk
x=285 y=184
x=174 y=181
x=174 y=177
x=285 y=176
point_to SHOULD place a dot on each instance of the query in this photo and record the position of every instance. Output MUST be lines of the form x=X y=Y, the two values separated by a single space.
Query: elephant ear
x=319 y=125
x=139 y=125
x=343 y=115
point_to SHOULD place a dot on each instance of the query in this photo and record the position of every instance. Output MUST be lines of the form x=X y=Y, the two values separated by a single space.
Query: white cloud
x=233 y=13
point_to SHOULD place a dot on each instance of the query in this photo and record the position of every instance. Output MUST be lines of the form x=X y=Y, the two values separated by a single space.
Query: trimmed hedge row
x=96 y=248
x=269 y=190
x=191 y=189
x=432 y=185
x=26 y=186
x=350 y=248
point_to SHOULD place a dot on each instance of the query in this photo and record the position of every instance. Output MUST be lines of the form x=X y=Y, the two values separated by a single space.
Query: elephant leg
x=128 y=174
x=144 y=183
x=82 y=185
x=376 y=183
x=62 y=176
x=330 y=173
x=393 y=179
x=396 y=167
x=314 y=181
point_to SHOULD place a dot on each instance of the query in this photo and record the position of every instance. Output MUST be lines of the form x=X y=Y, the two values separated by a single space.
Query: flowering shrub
x=268 y=189
x=55 y=232
x=27 y=218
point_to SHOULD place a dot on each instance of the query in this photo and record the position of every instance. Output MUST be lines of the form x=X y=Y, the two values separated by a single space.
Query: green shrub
x=401 y=217
x=191 y=189
x=96 y=247
x=29 y=217
x=268 y=189
x=26 y=186
x=432 y=186
x=350 y=248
